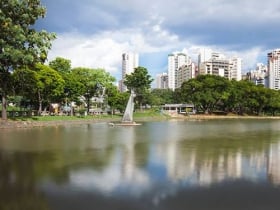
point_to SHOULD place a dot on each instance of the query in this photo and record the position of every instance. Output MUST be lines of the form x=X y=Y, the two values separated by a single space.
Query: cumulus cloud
x=94 y=33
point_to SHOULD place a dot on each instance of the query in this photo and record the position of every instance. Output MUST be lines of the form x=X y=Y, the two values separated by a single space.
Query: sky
x=95 y=33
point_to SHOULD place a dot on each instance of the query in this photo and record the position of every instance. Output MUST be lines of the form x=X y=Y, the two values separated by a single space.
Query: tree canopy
x=140 y=82
x=20 y=44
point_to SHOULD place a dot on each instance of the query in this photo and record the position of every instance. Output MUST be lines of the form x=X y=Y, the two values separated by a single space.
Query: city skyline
x=95 y=34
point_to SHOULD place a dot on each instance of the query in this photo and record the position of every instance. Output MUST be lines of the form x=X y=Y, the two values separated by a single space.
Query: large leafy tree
x=41 y=84
x=62 y=65
x=140 y=82
x=20 y=44
x=161 y=96
x=206 y=92
x=50 y=85
x=92 y=82
x=72 y=88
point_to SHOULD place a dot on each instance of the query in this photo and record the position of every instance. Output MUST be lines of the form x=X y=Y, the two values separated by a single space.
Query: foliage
x=21 y=45
x=61 y=65
x=205 y=91
x=49 y=86
x=161 y=96
x=116 y=99
x=140 y=82
x=211 y=93
x=92 y=82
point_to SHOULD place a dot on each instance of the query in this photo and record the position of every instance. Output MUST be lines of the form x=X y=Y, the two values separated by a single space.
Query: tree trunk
x=4 y=107
x=40 y=103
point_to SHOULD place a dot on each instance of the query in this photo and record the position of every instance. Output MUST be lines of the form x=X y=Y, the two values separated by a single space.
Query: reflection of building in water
x=128 y=154
x=179 y=164
x=228 y=165
x=129 y=170
x=183 y=163
x=274 y=163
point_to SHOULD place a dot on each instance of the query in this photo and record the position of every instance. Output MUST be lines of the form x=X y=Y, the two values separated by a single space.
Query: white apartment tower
x=236 y=68
x=216 y=63
x=162 y=81
x=130 y=61
x=175 y=61
x=273 y=65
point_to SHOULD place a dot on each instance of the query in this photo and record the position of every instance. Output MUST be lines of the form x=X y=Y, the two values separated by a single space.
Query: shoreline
x=13 y=124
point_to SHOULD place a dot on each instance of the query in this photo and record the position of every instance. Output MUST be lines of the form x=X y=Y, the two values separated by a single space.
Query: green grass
x=62 y=118
x=138 y=115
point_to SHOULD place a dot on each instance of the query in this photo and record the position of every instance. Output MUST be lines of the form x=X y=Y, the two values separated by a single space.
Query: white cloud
x=89 y=51
x=162 y=27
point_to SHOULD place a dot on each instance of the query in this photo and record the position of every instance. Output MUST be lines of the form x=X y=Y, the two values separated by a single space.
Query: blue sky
x=94 y=33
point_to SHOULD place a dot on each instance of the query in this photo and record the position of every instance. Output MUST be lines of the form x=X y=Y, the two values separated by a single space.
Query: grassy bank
x=39 y=121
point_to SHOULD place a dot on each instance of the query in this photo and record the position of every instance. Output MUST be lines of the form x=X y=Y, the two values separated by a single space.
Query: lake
x=196 y=165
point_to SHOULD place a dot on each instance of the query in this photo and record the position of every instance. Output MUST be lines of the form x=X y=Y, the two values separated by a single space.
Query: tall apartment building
x=162 y=81
x=236 y=68
x=273 y=65
x=216 y=67
x=130 y=61
x=215 y=63
x=259 y=75
x=204 y=55
x=175 y=61
x=184 y=73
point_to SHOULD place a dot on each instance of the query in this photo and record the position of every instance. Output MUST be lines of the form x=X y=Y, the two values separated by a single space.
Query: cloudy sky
x=94 y=33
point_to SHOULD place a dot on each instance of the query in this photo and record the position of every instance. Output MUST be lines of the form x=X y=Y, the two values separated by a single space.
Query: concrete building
x=175 y=61
x=236 y=68
x=259 y=76
x=273 y=64
x=130 y=61
x=204 y=55
x=216 y=67
x=184 y=73
x=216 y=63
x=162 y=81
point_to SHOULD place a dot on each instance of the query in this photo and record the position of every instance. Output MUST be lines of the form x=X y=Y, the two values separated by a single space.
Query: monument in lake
x=127 y=119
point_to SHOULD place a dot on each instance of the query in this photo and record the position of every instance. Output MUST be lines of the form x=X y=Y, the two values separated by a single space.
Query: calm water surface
x=215 y=164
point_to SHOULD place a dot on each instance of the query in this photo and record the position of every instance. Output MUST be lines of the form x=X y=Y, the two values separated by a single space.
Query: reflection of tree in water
x=21 y=173
x=18 y=183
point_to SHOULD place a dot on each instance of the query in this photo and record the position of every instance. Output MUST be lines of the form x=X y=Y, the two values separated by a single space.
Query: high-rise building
x=184 y=73
x=175 y=61
x=236 y=68
x=259 y=75
x=216 y=63
x=130 y=61
x=204 y=55
x=273 y=64
x=216 y=67
x=162 y=81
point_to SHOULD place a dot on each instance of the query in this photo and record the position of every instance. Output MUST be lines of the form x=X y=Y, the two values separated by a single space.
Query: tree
x=25 y=84
x=92 y=82
x=116 y=99
x=161 y=96
x=140 y=82
x=62 y=65
x=50 y=85
x=20 y=44
x=206 y=92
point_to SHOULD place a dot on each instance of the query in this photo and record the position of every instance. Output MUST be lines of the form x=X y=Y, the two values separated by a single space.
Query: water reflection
x=159 y=165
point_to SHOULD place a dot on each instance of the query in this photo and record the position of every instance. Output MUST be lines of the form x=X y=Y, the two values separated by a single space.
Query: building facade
x=215 y=63
x=130 y=61
x=162 y=81
x=175 y=61
x=259 y=76
x=273 y=65
x=185 y=73
x=236 y=68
